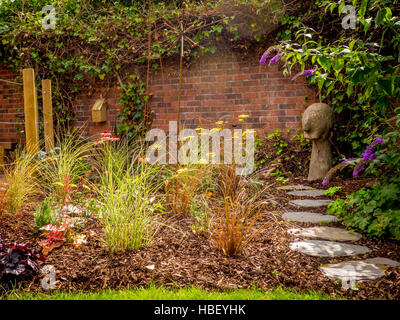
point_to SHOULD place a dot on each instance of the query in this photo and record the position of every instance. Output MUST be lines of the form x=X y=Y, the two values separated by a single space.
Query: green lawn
x=154 y=293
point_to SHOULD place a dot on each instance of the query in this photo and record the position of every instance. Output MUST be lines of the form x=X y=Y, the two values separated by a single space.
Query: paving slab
x=310 y=203
x=307 y=193
x=322 y=248
x=309 y=217
x=352 y=271
x=295 y=187
x=385 y=262
x=326 y=233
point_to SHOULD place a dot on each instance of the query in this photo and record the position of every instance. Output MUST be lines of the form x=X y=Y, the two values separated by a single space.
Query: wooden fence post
x=48 y=115
x=31 y=111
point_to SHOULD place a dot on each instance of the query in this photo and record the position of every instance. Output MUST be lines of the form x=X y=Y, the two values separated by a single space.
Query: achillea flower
x=276 y=58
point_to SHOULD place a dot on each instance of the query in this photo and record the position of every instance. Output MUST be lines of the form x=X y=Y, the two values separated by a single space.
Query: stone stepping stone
x=310 y=203
x=322 y=248
x=295 y=187
x=307 y=193
x=385 y=262
x=309 y=217
x=327 y=233
x=351 y=271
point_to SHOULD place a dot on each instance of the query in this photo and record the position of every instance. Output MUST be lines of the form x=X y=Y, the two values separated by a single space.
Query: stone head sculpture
x=317 y=122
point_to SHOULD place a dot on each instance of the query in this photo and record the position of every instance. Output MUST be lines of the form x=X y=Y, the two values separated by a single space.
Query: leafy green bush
x=377 y=210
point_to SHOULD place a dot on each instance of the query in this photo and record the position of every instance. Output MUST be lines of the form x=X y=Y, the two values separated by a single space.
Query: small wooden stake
x=2 y=158
x=48 y=115
x=31 y=111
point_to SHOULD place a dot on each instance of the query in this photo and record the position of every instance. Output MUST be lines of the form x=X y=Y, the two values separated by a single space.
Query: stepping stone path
x=322 y=248
x=307 y=193
x=385 y=262
x=351 y=271
x=309 y=203
x=327 y=233
x=295 y=187
x=308 y=217
x=347 y=272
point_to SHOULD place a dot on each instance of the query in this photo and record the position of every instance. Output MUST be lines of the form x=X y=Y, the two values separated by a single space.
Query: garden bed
x=182 y=257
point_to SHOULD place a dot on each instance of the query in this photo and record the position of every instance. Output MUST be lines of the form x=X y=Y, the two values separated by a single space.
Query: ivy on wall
x=108 y=41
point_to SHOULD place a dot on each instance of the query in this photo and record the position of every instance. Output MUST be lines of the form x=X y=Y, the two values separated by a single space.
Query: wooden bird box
x=99 y=111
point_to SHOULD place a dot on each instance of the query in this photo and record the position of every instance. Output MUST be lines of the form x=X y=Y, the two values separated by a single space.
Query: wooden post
x=1 y=158
x=48 y=115
x=31 y=111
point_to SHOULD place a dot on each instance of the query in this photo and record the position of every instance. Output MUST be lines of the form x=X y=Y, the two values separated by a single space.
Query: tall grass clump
x=128 y=190
x=20 y=182
x=234 y=221
x=182 y=186
x=70 y=160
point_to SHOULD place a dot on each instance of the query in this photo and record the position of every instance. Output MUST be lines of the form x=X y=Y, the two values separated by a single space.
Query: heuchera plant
x=17 y=262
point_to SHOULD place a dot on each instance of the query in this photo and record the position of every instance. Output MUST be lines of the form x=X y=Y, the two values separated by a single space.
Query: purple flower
x=347 y=160
x=357 y=171
x=369 y=152
x=378 y=140
x=309 y=73
x=325 y=182
x=276 y=58
x=264 y=58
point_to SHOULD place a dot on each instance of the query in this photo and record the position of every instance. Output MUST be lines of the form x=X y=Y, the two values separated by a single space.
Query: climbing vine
x=106 y=42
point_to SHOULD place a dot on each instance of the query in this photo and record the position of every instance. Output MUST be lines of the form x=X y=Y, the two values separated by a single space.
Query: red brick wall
x=222 y=87
x=83 y=106
x=11 y=106
x=214 y=88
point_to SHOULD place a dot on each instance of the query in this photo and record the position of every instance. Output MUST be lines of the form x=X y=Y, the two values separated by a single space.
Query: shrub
x=376 y=210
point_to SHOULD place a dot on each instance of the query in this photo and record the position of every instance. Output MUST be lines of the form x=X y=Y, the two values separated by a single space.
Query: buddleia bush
x=377 y=209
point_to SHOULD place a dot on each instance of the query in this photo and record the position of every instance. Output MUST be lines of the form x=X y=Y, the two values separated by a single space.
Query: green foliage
x=376 y=210
x=98 y=41
x=332 y=191
x=357 y=71
x=69 y=160
x=162 y=293
x=47 y=213
x=128 y=192
x=21 y=180
x=200 y=211
x=132 y=102
x=287 y=151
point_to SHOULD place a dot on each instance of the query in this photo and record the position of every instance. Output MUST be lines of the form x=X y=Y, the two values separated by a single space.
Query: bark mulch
x=182 y=258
